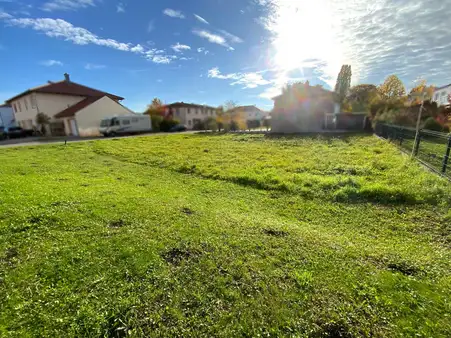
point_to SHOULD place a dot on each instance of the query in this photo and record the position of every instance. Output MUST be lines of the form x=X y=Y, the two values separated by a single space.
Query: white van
x=125 y=124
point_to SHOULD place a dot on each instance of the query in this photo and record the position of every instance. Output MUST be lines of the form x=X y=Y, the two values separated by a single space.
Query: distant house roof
x=246 y=109
x=188 y=105
x=443 y=87
x=66 y=87
x=72 y=110
x=312 y=91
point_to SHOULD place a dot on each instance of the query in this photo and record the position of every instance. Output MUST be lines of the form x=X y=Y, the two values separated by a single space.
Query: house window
x=33 y=100
x=14 y=107
x=436 y=97
x=135 y=120
x=20 y=107
x=26 y=104
x=197 y=111
x=125 y=122
x=189 y=110
x=443 y=94
x=177 y=112
x=189 y=122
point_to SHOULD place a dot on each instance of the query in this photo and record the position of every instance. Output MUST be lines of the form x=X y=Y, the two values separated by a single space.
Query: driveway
x=37 y=141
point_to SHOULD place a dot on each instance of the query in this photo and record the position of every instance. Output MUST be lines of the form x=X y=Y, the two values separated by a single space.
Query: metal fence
x=431 y=147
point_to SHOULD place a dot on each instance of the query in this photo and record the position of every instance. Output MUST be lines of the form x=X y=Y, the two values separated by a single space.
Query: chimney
x=66 y=77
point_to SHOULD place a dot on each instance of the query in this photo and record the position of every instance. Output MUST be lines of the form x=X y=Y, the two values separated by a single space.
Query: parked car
x=179 y=127
x=16 y=132
x=3 y=133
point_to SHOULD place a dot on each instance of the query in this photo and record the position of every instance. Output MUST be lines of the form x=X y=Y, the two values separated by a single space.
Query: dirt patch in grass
x=176 y=255
x=404 y=268
x=187 y=211
x=275 y=233
x=119 y=223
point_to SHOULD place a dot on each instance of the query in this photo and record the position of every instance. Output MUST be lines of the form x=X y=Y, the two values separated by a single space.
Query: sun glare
x=305 y=37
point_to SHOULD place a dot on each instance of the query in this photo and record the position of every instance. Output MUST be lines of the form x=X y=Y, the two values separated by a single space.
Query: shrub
x=166 y=125
x=432 y=124
x=211 y=124
x=199 y=125
x=156 y=121
x=446 y=129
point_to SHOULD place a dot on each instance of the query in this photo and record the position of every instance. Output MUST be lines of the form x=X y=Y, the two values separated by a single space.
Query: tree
x=421 y=87
x=155 y=108
x=42 y=120
x=432 y=124
x=220 y=117
x=229 y=105
x=343 y=83
x=392 y=88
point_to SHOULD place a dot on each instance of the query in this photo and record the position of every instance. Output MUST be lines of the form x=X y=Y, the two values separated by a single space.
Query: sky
x=212 y=51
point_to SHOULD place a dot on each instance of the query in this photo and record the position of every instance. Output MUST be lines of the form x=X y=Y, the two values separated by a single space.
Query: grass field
x=228 y=235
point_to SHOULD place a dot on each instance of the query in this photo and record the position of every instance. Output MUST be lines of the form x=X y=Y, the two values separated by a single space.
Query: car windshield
x=105 y=123
x=14 y=128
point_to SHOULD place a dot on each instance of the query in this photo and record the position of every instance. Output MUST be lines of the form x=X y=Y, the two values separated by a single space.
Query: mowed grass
x=228 y=235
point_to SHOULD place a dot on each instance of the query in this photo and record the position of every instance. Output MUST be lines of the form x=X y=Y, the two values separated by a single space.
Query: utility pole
x=417 y=131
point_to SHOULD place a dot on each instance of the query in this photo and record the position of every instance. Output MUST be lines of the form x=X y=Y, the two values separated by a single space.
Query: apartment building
x=189 y=113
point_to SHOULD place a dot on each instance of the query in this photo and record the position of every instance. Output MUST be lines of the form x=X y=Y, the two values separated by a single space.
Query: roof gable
x=66 y=88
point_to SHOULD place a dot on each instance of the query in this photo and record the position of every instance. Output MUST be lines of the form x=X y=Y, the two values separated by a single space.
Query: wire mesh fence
x=431 y=147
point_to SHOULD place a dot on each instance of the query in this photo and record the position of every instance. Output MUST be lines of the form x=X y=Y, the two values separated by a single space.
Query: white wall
x=49 y=104
x=441 y=96
x=6 y=117
x=88 y=119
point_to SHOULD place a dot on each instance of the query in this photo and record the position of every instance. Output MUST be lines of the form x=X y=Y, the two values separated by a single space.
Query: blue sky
x=210 y=51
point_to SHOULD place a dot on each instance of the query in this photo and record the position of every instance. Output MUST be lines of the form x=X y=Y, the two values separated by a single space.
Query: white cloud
x=4 y=15
x=49 y=63
x=173 y=13
x=137 y=49
x=248 y=80
x=66 y=5
x=202 y=50
x=162 y=59
x=232 y=38
x=150 y=26
x=201 y=19
x=120 y=8
x=179 y=47
x=58 y=28
x=213 y=38
x=92 y=66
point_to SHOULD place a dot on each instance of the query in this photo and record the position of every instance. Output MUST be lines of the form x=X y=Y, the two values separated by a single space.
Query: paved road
x=37 y=141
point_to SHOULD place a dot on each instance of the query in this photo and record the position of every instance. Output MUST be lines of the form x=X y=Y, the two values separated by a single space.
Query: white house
x=189 y=113
x=441 y=95
x=250 y=113
x=6 y=116
x=73 y=109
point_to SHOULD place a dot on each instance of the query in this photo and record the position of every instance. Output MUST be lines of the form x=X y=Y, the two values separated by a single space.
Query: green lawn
x=235 y=235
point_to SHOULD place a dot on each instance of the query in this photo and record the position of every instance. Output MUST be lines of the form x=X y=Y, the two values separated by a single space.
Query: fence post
x=445 y=159
x=417 y=144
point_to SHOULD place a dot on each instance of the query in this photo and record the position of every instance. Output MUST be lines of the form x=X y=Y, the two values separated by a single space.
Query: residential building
x=441 y=95
x=301 y=108
x=73 y=109
x=6 y=116
x=189 y=113
x=250 y=113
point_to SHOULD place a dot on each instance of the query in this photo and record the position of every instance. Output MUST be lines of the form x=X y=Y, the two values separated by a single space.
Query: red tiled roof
x=72 y=110
x=66 y=88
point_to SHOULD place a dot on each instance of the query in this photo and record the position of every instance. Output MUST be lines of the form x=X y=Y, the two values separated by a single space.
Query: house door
x=73 y=127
